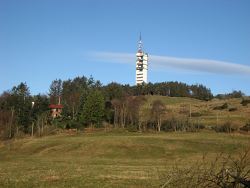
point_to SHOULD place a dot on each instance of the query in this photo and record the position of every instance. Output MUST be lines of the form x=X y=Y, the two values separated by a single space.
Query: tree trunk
x=124 y=118
x=17 y=130
x=159 y=124
x=11 y=121
x=39 y=129
x=159 y=128
x=42 y=125
x=32 y=129
x=139 y=126
x=144 y=126
x=115 y=118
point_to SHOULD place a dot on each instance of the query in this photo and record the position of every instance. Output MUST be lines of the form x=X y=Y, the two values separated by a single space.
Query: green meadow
x=108 y=159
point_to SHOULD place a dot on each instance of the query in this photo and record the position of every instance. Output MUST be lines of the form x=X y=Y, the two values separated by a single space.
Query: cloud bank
x=165 y=62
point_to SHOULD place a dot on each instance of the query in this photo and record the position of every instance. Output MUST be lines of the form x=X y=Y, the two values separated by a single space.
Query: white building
x=141 y=65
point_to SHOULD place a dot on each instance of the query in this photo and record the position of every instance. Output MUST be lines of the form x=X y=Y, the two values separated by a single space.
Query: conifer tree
x=93 y=109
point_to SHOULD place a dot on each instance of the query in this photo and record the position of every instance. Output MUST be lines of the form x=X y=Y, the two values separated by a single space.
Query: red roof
x=55 y=106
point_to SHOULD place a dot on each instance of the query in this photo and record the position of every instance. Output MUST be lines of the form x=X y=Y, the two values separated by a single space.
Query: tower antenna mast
x=140 y=44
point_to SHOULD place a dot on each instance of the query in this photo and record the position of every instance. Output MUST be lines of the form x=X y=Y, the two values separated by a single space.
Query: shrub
x=19 y=134
x=199 y=126
x=72 y=124
x=232 y=109
x=181 y=125
x=227 y=127
x=245 y=102
x=47 y=130
x=195 y=114
x=222 y=107
x=175 y=124
x=225 y=171
x=131 y=128
x=168 y=125
x=246 y=127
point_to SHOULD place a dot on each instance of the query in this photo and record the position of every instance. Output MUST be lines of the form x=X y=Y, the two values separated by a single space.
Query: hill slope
x=106 y=159
x=206 y=112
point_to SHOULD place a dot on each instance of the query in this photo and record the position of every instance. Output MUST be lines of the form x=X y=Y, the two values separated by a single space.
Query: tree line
x=88 y=103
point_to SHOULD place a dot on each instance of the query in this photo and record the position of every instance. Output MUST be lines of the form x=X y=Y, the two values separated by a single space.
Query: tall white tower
x=141 y=65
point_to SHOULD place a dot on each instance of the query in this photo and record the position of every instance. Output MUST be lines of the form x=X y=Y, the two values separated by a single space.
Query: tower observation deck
x=141 y=65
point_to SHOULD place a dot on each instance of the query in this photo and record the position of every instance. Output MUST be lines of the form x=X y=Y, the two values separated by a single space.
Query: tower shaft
x=141 y=65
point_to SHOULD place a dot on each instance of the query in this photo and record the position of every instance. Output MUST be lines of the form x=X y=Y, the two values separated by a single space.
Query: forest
x=87 y=103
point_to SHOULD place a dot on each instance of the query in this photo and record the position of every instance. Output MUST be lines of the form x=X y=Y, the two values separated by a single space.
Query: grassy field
x=114 y=159
x=182 y=106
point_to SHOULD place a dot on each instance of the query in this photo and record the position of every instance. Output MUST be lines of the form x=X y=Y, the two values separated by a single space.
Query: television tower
x=141 y=65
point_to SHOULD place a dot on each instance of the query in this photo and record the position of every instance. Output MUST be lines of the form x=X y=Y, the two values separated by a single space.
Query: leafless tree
x=158 y=110
x=116 y=103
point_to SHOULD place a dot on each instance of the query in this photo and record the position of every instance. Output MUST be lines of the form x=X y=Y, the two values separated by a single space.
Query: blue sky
x=193 y=41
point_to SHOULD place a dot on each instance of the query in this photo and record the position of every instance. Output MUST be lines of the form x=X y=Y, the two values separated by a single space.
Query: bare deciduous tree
x=158 y=109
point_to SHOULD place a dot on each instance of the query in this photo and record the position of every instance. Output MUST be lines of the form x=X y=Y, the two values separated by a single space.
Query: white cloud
x=112 y=57
x=166 y=62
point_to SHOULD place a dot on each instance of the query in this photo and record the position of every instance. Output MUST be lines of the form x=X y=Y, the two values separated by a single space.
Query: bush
x=225 y=171
x=47 y=130
x=131 y=128
x=199 y=126
x=246 y=127
x=245 y=102
x=222 y=107
x=195 y=127
x=181 y=125
x=227 y=127
x=5 y=134
x=168 y=125
x=72 y=124
x=195 y=114
x=232 y=109
x=174 y=124
x=20 y=134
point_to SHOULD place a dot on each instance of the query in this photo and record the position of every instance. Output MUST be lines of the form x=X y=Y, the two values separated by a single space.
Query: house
x=56 y=110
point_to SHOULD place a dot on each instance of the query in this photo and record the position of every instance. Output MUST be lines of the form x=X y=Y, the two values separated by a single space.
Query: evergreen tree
x=21 y=103
x=55 y=91
x=93 y=109
x=113 y=91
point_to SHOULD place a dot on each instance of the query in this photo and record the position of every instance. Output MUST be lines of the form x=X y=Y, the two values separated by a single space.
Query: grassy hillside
x=107 y=159
x=206 y=110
